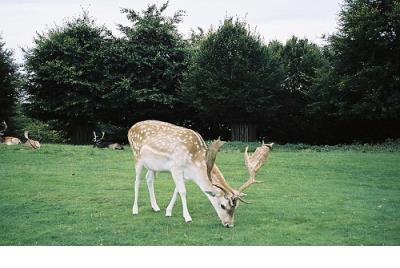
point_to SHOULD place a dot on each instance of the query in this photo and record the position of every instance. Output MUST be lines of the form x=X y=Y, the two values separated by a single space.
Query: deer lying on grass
x=7 y=139
x=160 y=146
x=99 y=143
x=32 y=144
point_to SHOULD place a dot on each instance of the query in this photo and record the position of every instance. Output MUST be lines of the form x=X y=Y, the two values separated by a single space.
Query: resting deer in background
x=33 y=144
x=160 y=146
x=99 y=143
x=7 y=139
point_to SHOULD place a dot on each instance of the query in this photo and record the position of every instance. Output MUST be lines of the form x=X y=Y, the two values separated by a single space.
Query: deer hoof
x=155 y=207
x=135 y=211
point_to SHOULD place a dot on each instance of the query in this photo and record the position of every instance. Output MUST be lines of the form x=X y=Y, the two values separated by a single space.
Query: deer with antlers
x=160 y=146
x=99 y=143
x=32 y=144
x=7 y=139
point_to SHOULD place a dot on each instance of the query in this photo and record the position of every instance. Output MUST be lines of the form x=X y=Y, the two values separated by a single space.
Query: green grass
x=79 y=195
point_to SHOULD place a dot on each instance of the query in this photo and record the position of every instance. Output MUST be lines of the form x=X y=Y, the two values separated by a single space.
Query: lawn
x=79 y=195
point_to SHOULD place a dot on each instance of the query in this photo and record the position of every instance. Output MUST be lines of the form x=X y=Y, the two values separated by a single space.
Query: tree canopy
x=232 y=76
x=65 y=78
x=152 y=59
x=79 y=77
x=8 y=83
x=366 y=63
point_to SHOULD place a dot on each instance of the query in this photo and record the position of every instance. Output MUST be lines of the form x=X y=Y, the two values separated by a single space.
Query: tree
x=302 y=60
x=8 y=84
x=65 y=76
x=367 y=49
x=232 y=79
x=150 y=60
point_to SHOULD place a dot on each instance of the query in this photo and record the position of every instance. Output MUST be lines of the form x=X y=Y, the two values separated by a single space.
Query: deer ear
x=211 y=193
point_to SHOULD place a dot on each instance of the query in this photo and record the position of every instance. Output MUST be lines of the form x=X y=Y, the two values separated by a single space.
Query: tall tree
x=8 y=83
x=151 y=58
x=301 y=60
x=232 y=79
x=65 y=76
x=367 y=49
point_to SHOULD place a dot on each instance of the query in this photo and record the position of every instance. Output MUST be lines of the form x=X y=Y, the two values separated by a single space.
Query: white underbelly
x=159 y=162
x=156 y=165
x=155 y=161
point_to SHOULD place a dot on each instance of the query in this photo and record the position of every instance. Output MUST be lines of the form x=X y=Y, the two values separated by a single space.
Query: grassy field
x=79 y=195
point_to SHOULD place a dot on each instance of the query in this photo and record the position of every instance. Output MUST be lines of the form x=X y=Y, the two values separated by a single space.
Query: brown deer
x=7 y=139
x=160 y=146
x=99 y=143
x=32 y=144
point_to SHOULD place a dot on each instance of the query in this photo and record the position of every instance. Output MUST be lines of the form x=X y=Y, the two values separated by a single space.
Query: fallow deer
x=32 y=144
x=160 y=146
x=99 y=143
x=7 y=139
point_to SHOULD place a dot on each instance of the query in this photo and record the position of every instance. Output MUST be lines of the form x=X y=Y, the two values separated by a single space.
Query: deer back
x=166 y=138
x=11 y=140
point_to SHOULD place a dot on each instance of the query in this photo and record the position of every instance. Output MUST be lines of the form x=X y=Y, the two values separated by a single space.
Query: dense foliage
x=8 y=84
x=233 y=77
x=147 y=64
x=302 y=60
x=80 y=77
x=366 y=63
x=84 y=78
x=231 y=67
x=65 y=76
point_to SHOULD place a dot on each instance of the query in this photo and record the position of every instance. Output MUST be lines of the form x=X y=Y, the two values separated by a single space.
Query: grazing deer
x=160 y=146
x=99 y=143
x=7 y=139
x=32 y=144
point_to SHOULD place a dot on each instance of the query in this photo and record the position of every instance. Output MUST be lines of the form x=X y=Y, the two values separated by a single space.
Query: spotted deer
x=7 y=139
x=32 y=144
x=160 y=146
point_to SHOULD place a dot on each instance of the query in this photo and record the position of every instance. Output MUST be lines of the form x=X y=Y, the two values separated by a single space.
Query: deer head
x=225 y=198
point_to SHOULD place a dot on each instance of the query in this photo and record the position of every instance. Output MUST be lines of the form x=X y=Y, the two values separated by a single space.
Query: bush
x=37 y=129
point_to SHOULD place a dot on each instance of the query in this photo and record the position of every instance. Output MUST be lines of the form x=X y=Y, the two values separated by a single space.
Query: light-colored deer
x=160 y=146
x=32 y=144
x=8 y=139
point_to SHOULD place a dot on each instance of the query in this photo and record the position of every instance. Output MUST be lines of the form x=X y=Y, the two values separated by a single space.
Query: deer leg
x=177 y=175
x=150 y=185
x=168 y=211
x=138 y=171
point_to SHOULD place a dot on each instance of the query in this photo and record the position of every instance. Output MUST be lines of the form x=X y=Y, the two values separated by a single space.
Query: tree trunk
x=82 y=134
x=243 y=132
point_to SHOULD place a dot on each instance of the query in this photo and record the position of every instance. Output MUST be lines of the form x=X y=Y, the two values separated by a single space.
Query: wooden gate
x=243 y=132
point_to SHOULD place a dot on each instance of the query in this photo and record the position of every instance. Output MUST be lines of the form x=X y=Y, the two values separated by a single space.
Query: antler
x=253 y=163
x=5 y=127
x=95 y=136
x=211 y=154
x=26 y=134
